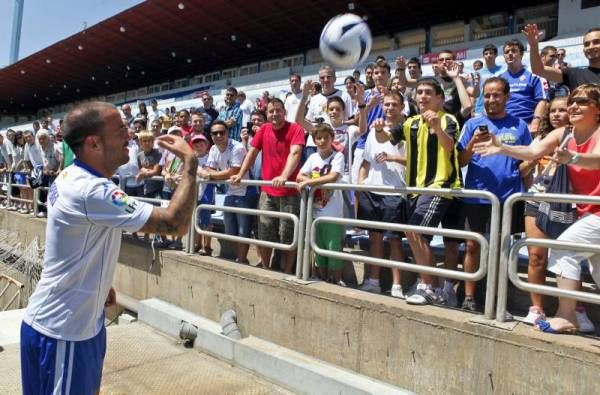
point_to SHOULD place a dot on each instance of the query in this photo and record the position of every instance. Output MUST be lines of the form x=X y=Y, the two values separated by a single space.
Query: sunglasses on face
x=580 y=101
x=218 y=133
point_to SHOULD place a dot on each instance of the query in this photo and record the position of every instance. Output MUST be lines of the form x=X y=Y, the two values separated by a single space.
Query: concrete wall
x=429 y=350
x=572 y=19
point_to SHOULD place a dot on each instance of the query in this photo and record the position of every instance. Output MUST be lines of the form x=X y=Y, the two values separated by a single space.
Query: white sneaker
x=425 y=295
x=23 y=211
x=534 y=314
x=397 y=291
x=368 y=286
x=41 y=214
x=12 y=208
x=341 y=283
x=585 y=325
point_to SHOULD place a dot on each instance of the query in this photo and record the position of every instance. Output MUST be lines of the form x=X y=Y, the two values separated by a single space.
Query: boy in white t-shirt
x=326 y=165
x=383 y=165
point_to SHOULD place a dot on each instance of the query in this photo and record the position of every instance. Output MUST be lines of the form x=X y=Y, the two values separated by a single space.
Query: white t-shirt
x=233 y=156
x=291 y=104
x=327 y=202
x=384 y=173
x=33 y=153
x=86 y=216
x=152 y=115
x=202 y=161
x=246 y=107
x=317 y=108
x=130 y=169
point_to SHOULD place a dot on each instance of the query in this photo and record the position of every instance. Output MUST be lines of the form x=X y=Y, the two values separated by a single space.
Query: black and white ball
x=346 y=41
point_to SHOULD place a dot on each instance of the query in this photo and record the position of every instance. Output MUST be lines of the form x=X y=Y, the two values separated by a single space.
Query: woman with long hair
x=582 y=157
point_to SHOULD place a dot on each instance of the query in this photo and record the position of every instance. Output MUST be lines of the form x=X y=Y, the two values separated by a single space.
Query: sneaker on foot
x=583 y=321
x=41 y=214
x=368 y=286
x=341 y=283
x=469 y=304
x=449 y=297
x=534 y=314
x=425 y=294
x=397 y=291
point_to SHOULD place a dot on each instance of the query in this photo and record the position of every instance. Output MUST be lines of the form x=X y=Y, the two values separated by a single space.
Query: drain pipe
x=229 y=325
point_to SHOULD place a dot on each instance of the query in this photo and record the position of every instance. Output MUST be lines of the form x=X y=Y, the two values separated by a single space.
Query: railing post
x=9 y=190
x=306 y=250
x=300 y=262
x=492 y=276
x=503 y=262
x=36 y=201
x=189 y=244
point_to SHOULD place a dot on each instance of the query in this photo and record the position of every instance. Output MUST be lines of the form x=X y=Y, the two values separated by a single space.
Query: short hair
x=36 y=123
x=156 y=120
x=231 y=89
x=324 y=127
x=378 y=58
x=382 y=64
x=28 y=132
x=498 y=80
x=514 y=43
x=547 y=49
x=277 y=100
x=242 y=93
x=592 y=30
x=490 y=47
x=357 y=71
x=369 y=66
x=395 y=95
x=84 y=120
x=153 y=101
x=295 y=75
x=450 y=52
x=186 y=112
x=140 y=121
x=349 y=78
x=259 y=113
x=414 y=60
x=41 y=133
x=327 y=67
x=145 y=135
x=592 y=91
x=219 y=122
x=338 y=100
x=432 y=82
x=478 y=62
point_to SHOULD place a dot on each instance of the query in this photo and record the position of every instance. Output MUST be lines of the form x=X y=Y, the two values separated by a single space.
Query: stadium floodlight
x=173 y=54
x=122 y=29
x=22 y=71
x=189 y=60
x=181 y=6
x=233 y=37
x=205 y=38
x=248 y=45
x=80 y=47
x=48 y=61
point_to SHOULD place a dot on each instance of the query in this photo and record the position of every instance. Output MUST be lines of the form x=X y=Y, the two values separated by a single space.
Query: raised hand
x=306 y=88
x=432 y=119
x=401 y=62
x=532 y=33
x=452 y=70
x=176 y=145
x=360 y=93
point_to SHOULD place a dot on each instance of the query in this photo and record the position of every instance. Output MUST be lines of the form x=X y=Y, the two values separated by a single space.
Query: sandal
x=544 y=326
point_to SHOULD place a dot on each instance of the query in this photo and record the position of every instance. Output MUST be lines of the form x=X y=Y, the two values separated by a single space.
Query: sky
x=46 y=22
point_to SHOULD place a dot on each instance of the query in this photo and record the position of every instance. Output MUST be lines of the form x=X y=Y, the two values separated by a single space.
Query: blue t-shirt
x=374 y=113
x=484 y=74
x=498 y=174
x=526 y=90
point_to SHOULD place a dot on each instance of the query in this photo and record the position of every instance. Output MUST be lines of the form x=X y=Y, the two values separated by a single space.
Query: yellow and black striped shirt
x=428 y=164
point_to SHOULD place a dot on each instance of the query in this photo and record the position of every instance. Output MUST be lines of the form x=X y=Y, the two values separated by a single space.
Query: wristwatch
x=575 y=158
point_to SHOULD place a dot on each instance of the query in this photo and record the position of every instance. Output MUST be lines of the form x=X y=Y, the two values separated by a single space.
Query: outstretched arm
x=532 y=33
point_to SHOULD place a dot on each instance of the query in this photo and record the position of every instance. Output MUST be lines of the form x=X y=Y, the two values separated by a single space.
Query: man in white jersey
x=63 y=340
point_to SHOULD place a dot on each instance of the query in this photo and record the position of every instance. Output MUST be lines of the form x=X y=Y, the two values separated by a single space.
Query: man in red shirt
x=281 y=143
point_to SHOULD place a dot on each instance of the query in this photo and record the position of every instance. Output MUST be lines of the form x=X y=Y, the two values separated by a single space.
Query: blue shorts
x=52 y=366
x=208 y=197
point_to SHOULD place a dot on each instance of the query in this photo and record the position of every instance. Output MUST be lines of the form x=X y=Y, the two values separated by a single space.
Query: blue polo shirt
x=526 y=90
x=498 y=174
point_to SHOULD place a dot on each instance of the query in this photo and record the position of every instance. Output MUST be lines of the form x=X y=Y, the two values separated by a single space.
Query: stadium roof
x=161 y=40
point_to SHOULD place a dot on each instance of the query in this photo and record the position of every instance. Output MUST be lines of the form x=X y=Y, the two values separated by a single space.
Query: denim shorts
x=239 y=224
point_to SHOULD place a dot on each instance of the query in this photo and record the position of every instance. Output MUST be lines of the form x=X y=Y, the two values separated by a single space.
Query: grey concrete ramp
x=141 y=360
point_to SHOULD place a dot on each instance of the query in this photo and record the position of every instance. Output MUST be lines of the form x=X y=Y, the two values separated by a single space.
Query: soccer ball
x=345 y=41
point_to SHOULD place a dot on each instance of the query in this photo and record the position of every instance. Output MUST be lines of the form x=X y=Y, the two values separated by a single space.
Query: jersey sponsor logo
x=53 y=194
x=121 y=200
x=507 y=138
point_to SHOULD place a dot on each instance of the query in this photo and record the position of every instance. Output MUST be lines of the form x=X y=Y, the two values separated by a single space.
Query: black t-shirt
x=573 y=77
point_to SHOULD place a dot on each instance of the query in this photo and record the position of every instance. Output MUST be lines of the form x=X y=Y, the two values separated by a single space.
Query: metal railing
x=299 y=222
x=488 y=259
x=510 y=252
x=10 y=281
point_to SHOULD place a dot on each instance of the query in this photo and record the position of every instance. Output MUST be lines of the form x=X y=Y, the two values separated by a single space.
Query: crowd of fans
x=391 y=129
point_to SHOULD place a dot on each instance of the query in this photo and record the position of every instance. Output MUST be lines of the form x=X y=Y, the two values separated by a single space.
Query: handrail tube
x=492 y=255
x=478 y=275
x=300 y=263
x=546 y=289
x=248 y=240
x=505 y=246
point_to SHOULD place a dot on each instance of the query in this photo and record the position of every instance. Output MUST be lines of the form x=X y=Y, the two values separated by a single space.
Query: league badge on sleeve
x=123 y=201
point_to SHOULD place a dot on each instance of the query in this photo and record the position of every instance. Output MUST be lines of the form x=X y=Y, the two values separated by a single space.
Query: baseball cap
x=174 y=129
x=198 y=137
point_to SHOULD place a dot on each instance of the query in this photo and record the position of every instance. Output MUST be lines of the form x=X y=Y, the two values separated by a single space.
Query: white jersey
x=86 y=214
x=233 y=156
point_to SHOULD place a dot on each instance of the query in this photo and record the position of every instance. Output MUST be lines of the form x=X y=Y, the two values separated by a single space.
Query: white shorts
x=568 y=263
x=356 y=162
